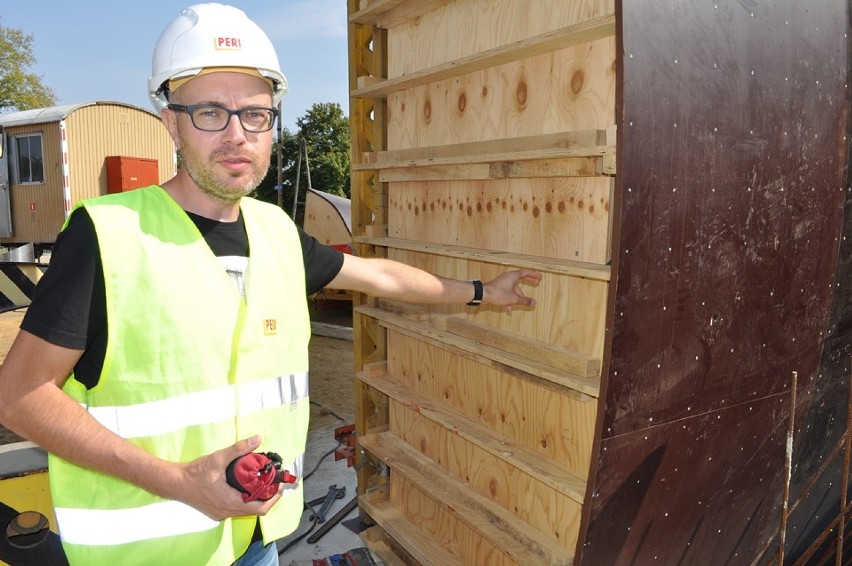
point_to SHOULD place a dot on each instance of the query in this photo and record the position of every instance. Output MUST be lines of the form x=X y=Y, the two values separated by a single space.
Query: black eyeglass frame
x=189 y=109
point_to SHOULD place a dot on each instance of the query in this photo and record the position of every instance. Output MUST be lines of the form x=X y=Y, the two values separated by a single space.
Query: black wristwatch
x=478 y=290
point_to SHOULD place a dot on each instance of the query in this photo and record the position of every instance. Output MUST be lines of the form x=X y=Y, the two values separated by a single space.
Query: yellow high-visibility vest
x=190 y=368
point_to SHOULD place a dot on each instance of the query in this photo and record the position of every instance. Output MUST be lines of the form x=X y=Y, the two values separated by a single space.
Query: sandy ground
x=332 y=371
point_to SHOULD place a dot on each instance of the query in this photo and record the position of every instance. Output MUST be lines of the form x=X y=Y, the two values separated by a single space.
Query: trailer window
x=27 y=160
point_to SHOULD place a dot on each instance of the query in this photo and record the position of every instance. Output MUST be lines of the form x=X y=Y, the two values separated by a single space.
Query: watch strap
x=478 y=291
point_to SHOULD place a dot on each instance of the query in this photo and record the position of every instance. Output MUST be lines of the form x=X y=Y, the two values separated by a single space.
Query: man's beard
x=222 y=187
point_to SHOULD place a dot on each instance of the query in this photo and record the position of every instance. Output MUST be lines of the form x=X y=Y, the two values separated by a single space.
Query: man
x=169 y=336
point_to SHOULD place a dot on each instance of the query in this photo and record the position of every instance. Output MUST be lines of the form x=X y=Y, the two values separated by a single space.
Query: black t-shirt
x=69 y=303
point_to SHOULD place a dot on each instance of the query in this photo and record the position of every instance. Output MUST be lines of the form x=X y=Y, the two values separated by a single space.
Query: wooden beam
x=557 y=146
x=538 y=466
x=582 y=269
x=369 y=11
x=515 y=169
x=583 y=388
x=414 y=540
x=583 y=32
x=367 y=56
x=389 y=13
x=575 y=363
x=483 y=515
x=389 y=551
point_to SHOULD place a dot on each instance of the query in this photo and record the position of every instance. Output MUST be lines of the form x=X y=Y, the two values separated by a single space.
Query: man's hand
x=205 y=487
x=505 y=290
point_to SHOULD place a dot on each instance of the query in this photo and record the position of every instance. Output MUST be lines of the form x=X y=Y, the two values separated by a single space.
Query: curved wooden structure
x=679 y=174
x=328 y=218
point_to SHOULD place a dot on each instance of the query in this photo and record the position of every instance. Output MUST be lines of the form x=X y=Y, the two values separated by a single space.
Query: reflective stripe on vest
x=201 y=407
x=105 y=527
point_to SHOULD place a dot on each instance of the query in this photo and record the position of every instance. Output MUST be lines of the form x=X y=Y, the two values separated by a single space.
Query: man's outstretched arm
x=394 y=280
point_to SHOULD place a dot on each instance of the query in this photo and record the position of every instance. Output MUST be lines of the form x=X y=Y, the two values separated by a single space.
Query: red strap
x=257 y=476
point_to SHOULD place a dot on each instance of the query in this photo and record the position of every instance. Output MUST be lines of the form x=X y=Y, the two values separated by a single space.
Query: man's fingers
x=530 y=275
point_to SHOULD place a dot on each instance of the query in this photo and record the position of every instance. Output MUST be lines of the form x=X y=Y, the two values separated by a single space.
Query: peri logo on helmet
x=209 y=36
x=228 y=43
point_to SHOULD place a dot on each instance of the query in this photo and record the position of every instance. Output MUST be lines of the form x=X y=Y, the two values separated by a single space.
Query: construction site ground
x=332 y=407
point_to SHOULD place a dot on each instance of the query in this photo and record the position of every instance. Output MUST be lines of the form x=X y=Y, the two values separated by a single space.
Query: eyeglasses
x=209 y=118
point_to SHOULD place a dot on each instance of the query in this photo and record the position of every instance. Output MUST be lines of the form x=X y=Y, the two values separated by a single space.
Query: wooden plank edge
x=427 y=552
x=594 y=141
x=555 y=356
x=387 y=162
x=543 y=469
x=572 y=268
x=383 y=546
x=580 y=388
x=408 y=11
x=596 y=166
x=390 y=13
x=583 y=389
x=516 y=538
x=568 y=36
x=369 y=14
x=576 y=363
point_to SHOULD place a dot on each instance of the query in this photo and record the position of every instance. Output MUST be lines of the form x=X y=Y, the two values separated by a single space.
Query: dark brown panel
x=699 y=491
x=731 y=179
x=733 y=154
x=817 y=473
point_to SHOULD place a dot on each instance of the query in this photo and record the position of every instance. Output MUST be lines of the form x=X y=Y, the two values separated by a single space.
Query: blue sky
x=101 y=50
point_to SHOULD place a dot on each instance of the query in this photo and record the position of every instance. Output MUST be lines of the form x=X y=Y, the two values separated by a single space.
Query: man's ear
x=169 y=118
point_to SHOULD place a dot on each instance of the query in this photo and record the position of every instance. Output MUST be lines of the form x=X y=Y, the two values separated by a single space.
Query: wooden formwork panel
x=679 y=174
x=498 y=152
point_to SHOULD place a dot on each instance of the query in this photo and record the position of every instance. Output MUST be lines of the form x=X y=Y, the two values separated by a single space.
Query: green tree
x=19 y=88
x=324 y=133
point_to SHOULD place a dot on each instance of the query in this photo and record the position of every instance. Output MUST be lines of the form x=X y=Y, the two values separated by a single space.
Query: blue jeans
x=259 y=555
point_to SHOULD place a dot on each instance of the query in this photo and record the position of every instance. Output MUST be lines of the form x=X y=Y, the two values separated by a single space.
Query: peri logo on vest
x=227 y=43
x=270 y=326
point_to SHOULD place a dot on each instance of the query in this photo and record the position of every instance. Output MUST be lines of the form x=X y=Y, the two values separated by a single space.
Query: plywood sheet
x=523 y=495
x=557 y=426
x=460 y=29
x=444 y=527
x=569 y=89
x=565 y=218
x=570 y=312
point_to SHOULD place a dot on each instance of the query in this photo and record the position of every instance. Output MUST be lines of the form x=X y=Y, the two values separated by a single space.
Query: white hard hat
x=206 y=36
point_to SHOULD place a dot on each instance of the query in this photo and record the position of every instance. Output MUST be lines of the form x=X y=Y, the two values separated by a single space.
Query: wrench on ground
x=334 y=492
